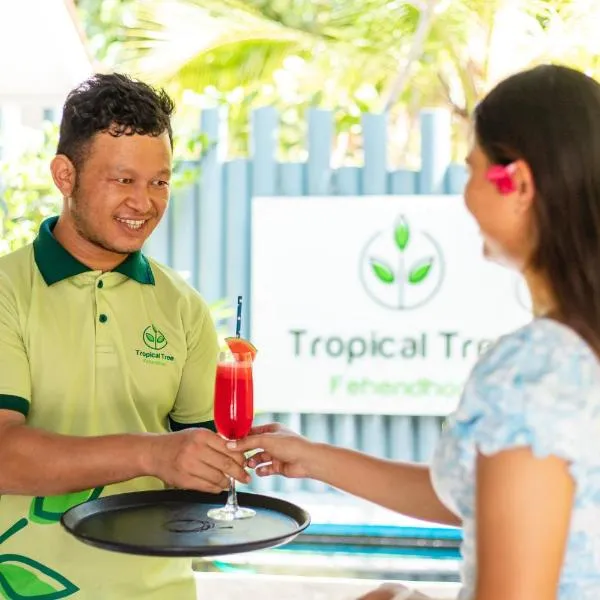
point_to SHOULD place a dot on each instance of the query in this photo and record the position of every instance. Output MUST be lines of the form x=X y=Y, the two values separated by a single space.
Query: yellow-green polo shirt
x=89 y=353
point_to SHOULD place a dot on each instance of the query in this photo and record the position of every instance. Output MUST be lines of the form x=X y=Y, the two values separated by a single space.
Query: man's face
x=121 y=190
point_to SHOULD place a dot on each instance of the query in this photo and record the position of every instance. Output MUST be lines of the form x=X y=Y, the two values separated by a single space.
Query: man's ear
x=64 y=174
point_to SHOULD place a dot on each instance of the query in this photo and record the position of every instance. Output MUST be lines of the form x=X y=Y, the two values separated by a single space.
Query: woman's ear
x=524 y=183
x=514 y=180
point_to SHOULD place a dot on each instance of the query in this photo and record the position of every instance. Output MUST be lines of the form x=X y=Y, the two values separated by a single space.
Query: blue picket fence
x=207 y=235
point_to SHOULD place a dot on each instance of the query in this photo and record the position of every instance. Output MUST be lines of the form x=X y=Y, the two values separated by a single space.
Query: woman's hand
x=281 y=451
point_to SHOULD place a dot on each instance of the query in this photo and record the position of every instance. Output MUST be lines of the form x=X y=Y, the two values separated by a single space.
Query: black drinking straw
x=238 y=325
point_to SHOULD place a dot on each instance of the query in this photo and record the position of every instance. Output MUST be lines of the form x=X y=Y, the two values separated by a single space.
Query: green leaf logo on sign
x=402 y=267
x=22 y=578
x=153 y=338
x=383 y=272
x=401 y=234
x=420 y=271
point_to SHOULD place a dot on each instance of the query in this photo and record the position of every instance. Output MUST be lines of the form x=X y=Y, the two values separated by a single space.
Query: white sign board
x=374 y=305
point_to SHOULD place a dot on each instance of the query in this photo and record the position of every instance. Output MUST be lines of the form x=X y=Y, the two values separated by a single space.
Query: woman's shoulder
x=539 y=386
x=543 y=347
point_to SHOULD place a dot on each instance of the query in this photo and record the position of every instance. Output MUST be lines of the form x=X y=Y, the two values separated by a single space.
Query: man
x=107 y=359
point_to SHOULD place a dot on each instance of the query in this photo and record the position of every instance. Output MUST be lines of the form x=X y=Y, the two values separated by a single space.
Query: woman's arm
x=403 y=487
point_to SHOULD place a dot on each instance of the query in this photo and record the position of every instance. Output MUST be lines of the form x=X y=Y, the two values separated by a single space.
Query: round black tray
x=174 y=523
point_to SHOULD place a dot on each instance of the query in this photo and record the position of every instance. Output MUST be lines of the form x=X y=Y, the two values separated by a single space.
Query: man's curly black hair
x=115 y=104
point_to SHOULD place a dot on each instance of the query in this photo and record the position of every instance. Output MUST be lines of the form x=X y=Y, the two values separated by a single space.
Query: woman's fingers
x=266 y=470
x=259 y=459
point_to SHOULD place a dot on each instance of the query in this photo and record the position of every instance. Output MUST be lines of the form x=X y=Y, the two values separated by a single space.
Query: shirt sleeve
x=15 y=375
x=537 y=388
x=195 y=397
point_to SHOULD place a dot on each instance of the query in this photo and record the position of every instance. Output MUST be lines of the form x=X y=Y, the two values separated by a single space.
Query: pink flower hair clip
x=501 y=177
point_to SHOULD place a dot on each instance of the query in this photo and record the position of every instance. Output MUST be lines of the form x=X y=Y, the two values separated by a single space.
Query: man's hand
x=195 y=459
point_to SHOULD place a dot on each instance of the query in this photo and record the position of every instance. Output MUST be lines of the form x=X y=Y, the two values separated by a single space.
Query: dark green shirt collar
x=56 y=264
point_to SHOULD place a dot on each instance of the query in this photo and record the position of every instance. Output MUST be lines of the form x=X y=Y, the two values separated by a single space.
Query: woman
x=518 y=465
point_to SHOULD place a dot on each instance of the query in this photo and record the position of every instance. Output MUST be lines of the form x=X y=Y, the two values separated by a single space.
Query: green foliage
x=102 y=21
x=27 y=193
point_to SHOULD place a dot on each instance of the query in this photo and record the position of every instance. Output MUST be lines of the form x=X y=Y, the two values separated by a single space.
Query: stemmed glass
x=234 y=412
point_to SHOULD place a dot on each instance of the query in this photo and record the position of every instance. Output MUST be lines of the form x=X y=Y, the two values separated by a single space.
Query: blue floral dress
x=536 y=387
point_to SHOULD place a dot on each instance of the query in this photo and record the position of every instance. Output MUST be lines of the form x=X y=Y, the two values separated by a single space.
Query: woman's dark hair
x=549 y=116
x=112 y=103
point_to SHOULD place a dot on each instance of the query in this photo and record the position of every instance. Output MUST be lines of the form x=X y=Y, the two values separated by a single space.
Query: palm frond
x=238 y=63
x=167 y=37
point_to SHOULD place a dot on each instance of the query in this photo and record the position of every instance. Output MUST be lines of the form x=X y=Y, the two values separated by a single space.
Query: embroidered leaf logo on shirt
x=22 y=578
x=50 y=509
x=154 y=338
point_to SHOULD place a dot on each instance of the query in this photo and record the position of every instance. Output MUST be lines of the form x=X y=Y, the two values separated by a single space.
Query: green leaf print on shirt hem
x=49 y=509
x=20 y=524
x=23 y=578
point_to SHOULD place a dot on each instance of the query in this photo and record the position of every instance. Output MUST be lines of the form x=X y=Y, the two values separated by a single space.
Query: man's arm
x=34 y=462
x=194 y=404
x=41 y=463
